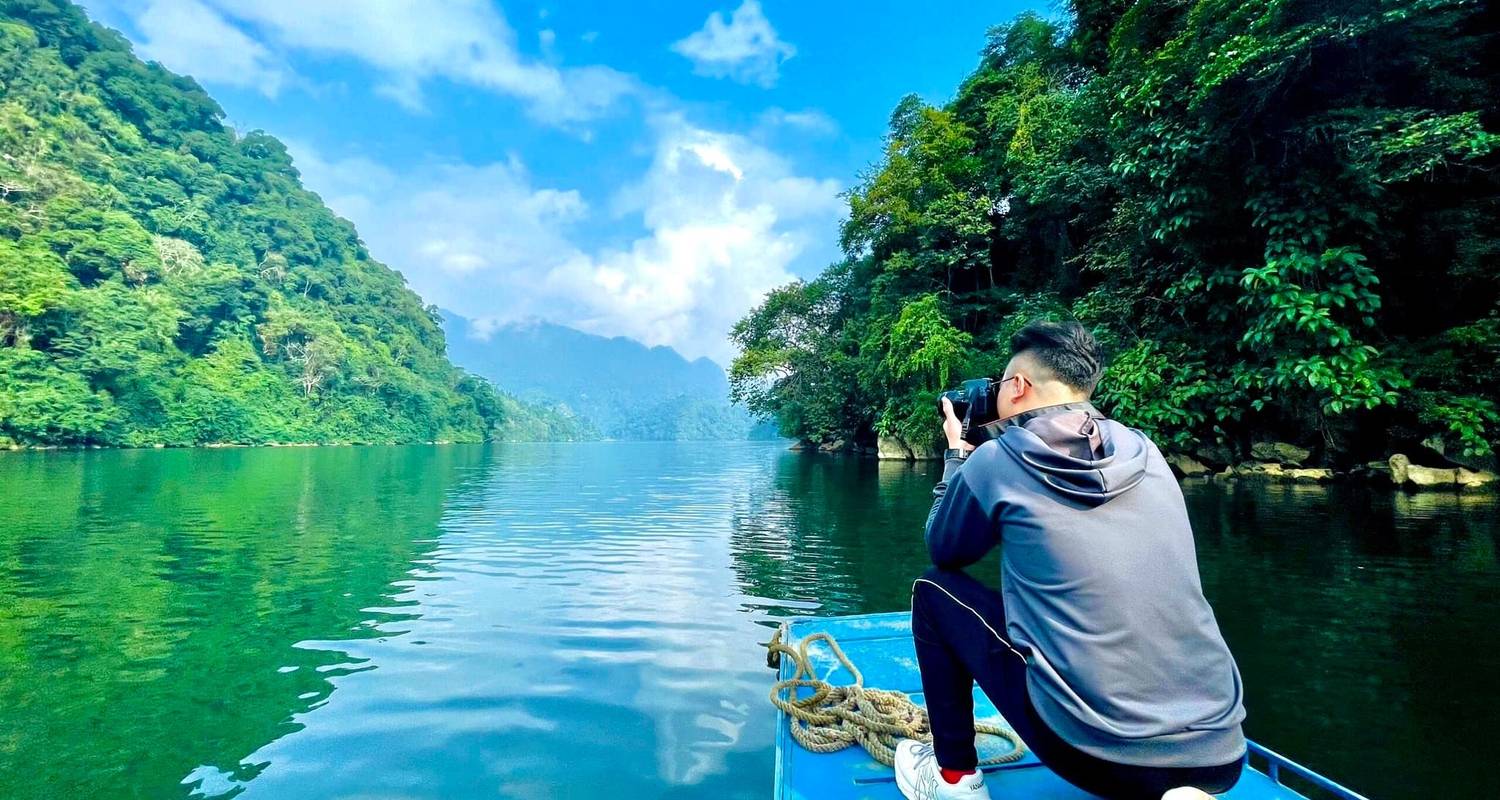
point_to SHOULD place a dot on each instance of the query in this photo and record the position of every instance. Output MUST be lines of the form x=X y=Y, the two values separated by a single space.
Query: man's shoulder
x=987 y=463
x=986 y=454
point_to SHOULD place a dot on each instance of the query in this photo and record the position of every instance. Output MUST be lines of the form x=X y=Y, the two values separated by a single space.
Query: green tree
x=1278 y=215
x=33 y=283
x=164 y=279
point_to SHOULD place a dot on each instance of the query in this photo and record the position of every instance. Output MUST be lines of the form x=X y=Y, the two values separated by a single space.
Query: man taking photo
x=1099 y=649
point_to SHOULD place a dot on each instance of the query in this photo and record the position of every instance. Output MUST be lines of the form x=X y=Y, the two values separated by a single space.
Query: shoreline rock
x=1214 y=456
x=1185 y=466
x=1406 y=475
x=891 y=448
x=1278 y=472
x=1436 y=447
x=1271 y=461
x=1280 y=453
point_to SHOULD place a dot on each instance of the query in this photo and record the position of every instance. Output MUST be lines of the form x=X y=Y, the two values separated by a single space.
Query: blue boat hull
x=880 y=645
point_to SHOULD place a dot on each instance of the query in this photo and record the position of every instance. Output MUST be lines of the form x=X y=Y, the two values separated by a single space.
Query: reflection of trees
x=150 y=601
x=842 y=533
x=1359 y=619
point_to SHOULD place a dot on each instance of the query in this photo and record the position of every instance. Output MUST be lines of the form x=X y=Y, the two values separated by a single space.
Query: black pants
x=959 y=627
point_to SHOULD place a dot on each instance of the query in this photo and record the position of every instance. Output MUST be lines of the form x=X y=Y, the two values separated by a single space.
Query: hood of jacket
x=1077 y=452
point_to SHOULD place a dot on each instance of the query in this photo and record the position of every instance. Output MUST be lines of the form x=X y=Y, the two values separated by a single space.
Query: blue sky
x=646 y=169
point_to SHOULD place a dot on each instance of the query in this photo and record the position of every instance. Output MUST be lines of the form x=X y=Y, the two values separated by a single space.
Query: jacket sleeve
x=960 y=527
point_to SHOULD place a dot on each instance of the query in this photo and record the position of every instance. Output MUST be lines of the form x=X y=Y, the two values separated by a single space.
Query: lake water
x=581 y=620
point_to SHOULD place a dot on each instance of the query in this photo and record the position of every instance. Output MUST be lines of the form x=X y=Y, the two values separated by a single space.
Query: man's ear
x=1016 y=389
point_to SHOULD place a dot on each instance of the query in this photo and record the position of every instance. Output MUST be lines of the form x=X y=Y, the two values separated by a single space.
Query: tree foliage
x=1279 y=215
x=166 y=280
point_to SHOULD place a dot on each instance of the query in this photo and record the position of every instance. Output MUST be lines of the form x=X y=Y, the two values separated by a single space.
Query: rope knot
x=831 y=718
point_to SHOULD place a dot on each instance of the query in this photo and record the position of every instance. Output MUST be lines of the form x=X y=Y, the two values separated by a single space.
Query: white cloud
x=406 y=91
x=808 y=120
x=721 y=217
x=408 y=42
x=190 y=37
x=723 y=220
x=745 y=49
x=469 y=238
x=412 y=41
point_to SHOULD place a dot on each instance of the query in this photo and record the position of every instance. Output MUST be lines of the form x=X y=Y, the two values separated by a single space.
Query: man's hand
x=953 y=428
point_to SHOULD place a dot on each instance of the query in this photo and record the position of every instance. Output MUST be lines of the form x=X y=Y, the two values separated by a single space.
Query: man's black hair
x=1065 y=349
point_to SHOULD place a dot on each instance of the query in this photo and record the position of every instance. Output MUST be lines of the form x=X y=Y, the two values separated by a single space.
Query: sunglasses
x=1018 y=376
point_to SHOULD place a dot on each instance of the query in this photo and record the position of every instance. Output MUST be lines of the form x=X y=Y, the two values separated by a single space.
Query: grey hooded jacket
x=1100 y=580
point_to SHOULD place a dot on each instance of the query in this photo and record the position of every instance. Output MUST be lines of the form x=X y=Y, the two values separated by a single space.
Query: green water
x=581 y=620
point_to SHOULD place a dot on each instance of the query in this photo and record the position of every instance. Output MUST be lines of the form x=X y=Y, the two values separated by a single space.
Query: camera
x=974 y=405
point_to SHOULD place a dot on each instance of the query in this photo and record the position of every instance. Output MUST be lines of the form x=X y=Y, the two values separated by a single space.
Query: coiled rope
x=835 y=717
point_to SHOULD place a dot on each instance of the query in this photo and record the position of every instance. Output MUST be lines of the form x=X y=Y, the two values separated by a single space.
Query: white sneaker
x=918 y=776
x=1187 y=793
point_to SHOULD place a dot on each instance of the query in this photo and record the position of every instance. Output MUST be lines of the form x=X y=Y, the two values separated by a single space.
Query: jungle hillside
x=167 y=280
x=1279 y=216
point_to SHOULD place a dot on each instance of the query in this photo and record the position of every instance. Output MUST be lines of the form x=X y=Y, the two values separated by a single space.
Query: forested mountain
x=165 y=280
x=624 y=388
x=1281 y=217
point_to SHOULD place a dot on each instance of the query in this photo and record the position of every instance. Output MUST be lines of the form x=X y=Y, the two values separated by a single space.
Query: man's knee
x=931 y=576
x=954 y=581
x=936 y=583
x=939 y=592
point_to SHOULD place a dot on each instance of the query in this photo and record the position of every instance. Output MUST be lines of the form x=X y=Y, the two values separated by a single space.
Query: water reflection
x=833 y=535
x=1364 y=623
x=574 y=632
x=581 y=620
x=150 y=602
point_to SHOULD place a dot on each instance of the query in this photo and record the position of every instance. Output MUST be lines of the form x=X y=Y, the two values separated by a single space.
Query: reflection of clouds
x=572 y=606
x=209 y=781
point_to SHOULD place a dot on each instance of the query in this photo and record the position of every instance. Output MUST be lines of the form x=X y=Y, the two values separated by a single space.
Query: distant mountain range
x=624 y=388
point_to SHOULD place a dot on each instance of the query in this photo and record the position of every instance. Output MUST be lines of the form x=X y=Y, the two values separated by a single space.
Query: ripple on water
x=478 y=621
